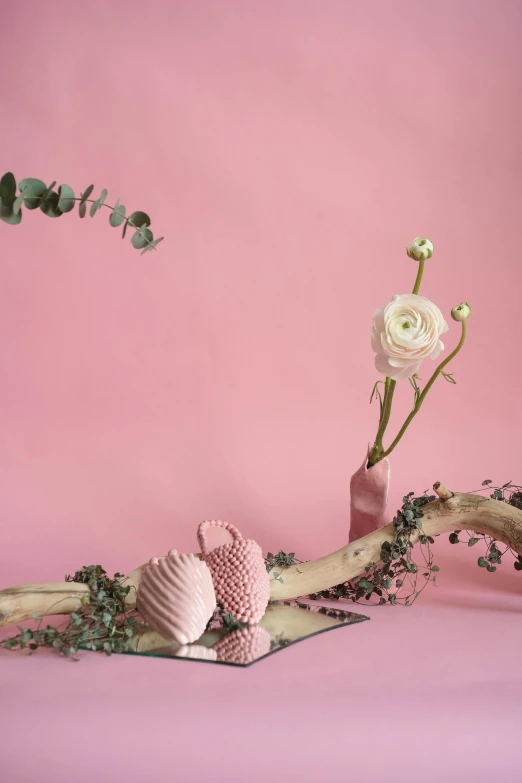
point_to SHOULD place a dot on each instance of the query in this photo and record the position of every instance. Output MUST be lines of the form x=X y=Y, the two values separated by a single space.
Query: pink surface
x=431 y=692
x=288 y=151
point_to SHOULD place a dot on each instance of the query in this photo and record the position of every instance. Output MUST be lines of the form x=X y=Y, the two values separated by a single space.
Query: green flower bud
x=461 y=312
x=420 y=249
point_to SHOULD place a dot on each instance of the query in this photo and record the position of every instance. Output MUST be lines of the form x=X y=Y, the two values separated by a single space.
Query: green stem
x=418 y=281
x=389 y=390
x=425 y=391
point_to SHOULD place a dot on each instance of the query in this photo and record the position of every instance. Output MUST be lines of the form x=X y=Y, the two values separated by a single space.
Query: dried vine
x=102 y=624
x=507 y=493
x=395 y=578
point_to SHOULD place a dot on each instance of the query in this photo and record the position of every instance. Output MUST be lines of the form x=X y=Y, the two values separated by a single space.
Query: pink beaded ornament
x=244 y=645
x=239 y=574
x=176 y=597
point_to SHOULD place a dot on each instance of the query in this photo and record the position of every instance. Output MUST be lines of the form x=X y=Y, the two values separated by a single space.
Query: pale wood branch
x=450 y=512
x=454 y=512
x=20 y=603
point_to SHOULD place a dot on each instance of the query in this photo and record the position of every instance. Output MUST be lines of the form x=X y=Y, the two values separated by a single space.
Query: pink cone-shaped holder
x=241 y=581
x=244 y=645
x=176 y=597
x=368 y=498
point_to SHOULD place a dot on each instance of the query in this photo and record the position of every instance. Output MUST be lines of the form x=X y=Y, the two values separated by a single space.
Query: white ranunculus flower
x=404 y=333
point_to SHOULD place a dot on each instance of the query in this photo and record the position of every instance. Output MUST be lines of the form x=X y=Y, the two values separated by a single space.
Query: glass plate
x=283 y=624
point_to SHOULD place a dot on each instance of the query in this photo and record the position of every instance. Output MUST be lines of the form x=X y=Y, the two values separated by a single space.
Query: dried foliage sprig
x=35 y=194
x=102 y=624
x=280 y=561
x=395 y=579
x=506 y=493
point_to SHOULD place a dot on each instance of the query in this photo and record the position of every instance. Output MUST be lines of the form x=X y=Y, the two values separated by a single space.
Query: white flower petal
x=378 y=319
x=376 y=340
x=402 y=374
x=382 y=364
x=436 y=351
x=395 y=361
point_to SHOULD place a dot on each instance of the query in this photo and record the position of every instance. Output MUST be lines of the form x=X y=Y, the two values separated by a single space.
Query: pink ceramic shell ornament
x=241 y=581
x=176 y=597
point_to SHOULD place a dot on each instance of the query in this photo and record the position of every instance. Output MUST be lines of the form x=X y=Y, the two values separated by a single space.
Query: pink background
x=288 y=151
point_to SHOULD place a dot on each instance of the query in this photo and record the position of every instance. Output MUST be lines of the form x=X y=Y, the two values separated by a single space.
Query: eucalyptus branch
x=425 y=391
x=34 y=194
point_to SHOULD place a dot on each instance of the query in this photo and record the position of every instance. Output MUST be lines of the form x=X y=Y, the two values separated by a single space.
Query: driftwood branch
x=450 y=512
x=20 y=603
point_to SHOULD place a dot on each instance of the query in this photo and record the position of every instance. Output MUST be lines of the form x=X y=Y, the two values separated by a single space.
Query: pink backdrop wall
x=288 y=151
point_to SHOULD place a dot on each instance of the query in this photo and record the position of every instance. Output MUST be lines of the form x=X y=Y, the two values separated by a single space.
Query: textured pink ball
x=239 y=574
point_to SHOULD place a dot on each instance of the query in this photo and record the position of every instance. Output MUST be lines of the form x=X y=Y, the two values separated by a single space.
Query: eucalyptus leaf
x=66 y=200
x=152 y=246
x=136 y=220
x=142 y=237
x=49 y=205
x=8 y=190
x=9 y=217
x=86 y=194
x=32 y=189
x=48 y=190
x=82 y=209
x=117 y=215
x=17 y=204
x=94 y=208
